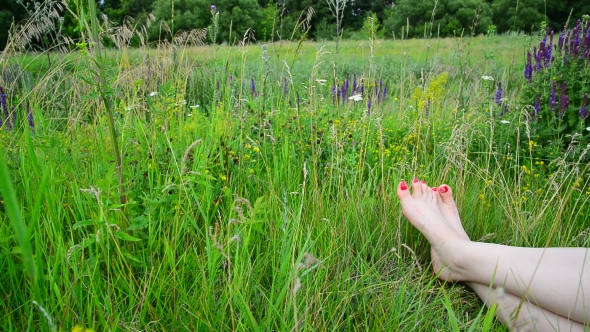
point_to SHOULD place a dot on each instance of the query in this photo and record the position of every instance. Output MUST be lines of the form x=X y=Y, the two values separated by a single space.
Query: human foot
x=422 y=210
x=448 y=208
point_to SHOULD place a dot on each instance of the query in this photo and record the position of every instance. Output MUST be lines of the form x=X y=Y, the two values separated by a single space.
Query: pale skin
x=555 y=281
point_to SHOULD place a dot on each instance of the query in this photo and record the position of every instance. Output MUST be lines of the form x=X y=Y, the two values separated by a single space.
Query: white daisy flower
x=487 y=78
x=357 y=97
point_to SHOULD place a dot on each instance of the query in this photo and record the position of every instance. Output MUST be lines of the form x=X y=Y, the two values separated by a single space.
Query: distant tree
x=268 y=23
x=235 y=16
x=527 y=16
x=10 y=11
x=451 y=17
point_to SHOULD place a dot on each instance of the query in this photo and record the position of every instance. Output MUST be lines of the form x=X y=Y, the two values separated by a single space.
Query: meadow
x=253 y=187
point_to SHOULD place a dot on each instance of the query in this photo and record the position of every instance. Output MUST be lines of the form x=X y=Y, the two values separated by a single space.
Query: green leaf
x=126 y=237
x=83 y=223
x=139 y=222
x=90 y=240
x=13 y=211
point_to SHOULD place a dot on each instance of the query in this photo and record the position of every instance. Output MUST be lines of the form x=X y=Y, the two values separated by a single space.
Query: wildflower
x=584 y=108
x=3 y=104
x=427 y=108
x=537 y=106
x=528 y=68
x=154 y=93
x=253 y=87
x=369 y=104
x=564 y=100
x=487 y=78
x=498 y=97
x=504 y=122
x=553 y=96
x=354 y=85
x=213 y=8
x=357 y=97
x=222 y=177
x=549 y=51
x=256 y=149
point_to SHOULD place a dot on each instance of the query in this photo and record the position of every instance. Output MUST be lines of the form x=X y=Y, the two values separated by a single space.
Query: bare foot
x=422 y=209
x=448 y=208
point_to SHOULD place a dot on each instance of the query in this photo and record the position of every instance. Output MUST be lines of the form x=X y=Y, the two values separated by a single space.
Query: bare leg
x=529 y=315
x=557 y=285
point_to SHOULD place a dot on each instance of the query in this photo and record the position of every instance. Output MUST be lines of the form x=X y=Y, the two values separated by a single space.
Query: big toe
x=402 y=191
x=446 y=194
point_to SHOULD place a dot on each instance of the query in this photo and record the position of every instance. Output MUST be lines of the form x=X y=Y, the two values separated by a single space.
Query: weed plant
x=255 y=199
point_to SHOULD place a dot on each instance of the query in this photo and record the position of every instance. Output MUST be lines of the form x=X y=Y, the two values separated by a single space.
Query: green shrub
x=558 y=82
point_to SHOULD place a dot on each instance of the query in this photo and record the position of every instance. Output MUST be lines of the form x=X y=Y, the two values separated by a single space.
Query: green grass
x=282 y=214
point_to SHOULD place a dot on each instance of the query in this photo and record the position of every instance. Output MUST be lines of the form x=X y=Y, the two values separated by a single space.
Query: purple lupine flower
x=385 y=91
x=564 y=100
x=584 y=108
x=298 y=101
x=3 y=103
x=253 y=87
x=369 y=104
x=553 y=97
x=334 y=94
x=537 y=106
x=498 y=97
x=362 y=86
x=528 y=68
x=576 y=38
x=537 y=55
x=549 y=51
x=376 y=89
x=346 y=85
x=564 y=103
x=354 y=85
x=339 y=95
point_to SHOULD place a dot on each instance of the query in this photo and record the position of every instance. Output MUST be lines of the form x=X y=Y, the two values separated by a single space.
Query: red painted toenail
x=444 y=189
x=423 y=181
x=403 y=185
x=434 y=189
x=416 y=180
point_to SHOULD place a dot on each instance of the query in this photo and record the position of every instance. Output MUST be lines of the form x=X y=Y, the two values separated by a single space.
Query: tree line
x=276 y=19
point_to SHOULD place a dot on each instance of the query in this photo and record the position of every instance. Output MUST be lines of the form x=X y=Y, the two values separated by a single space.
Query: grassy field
x=270 y=207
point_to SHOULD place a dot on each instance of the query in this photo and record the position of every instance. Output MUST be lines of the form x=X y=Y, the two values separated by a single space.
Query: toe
x=416 y=188
x=446 y=194
x=402 y=191
x=426 y=190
